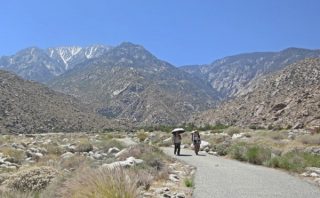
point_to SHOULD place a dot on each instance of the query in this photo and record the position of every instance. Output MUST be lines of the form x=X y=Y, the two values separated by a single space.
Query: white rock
x=120 y=153
x=314 y=175
x=238 y=136
x=213 y=153
x=204 y=144
x=174 y=177
x=180 y=195
x=130 y=161
x=37 y=155
x=113 y=150
x=97 y=156
x=313 y=169
x=67 y=155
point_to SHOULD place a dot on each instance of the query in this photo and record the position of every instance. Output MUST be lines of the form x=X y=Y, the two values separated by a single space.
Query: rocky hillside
x=288 y=98
x=44 y=64
x=232 y=75
x=128 y=82
x=28 y=107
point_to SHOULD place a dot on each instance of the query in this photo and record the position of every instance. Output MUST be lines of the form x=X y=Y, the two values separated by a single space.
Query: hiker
x=195 y=137
x=176 y=139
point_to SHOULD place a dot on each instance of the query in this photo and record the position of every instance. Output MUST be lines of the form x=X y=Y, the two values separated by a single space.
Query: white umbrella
x=178 y=130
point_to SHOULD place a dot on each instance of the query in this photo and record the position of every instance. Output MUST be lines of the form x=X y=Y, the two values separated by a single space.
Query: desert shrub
x=258 y=155
x=273 y=162
x=74 y=162
x=142 y=136
x=154 y=160
x=104 y=182
x=49 y=160
x=105 y=145
x=33 y=179
x=16 y=156
x=277 y=135
x=222 y=148
x=238 y=151
x=188 y=182
x=144 y=178
x=310 y=139
x=232 y=130
x=295 y=161
x=54 y=149
x=252 y=153
x=84 y=145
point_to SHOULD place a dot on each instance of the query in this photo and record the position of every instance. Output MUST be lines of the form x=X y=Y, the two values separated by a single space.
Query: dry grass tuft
x=310 y=139
x=232 y=130
x=99 y=183
x=16 y=155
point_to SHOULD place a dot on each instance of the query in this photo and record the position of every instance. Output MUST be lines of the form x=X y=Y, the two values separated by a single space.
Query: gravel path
x=217 y=177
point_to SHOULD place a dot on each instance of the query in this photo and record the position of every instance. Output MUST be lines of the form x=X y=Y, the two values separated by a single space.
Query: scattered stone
x=113 y=150
x=174 y=177
x=67 y=155
x=123 y=151
x=180 y=195
x=298 y=125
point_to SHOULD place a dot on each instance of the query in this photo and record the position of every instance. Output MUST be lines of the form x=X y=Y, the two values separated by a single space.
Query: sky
x=182 y=32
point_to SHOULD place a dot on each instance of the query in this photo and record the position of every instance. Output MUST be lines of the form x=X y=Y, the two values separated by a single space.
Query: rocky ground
x=52 y=165
x=64 y=165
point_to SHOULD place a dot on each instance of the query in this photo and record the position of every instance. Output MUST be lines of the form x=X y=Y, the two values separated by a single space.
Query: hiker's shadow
x=185 y=155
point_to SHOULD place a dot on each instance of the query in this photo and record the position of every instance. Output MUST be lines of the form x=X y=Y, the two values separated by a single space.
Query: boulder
x=130 y=161
x=113 y=150
x=204 y=144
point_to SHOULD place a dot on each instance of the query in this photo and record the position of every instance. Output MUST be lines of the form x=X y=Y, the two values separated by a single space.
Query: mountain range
x=284 y=99
x=128 y=83
x=231 y=76
x=30 y=107
x=43 y=65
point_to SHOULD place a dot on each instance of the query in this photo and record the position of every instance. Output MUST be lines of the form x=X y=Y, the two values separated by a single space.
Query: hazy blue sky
x=178 y=31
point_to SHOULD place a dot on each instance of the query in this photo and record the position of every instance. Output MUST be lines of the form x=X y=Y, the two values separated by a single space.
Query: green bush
x=258 y=155
x=295 y=161
x=222 y=148
x=254 y=154
x=188 y=182
x=238 y=151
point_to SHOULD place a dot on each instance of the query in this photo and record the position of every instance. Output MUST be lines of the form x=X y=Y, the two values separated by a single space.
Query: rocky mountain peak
x=287 y=98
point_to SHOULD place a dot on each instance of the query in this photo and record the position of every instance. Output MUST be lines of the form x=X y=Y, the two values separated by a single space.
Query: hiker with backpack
x=196 y=140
